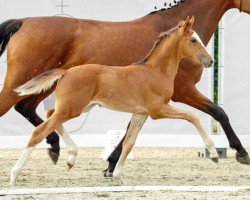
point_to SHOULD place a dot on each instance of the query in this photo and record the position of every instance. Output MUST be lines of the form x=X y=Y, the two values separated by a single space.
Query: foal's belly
x=121 y=106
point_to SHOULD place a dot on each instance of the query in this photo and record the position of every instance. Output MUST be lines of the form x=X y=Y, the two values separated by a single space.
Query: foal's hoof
x=53 y=155
x=69 y=165
x=243 y=159
x=12 y=183
x=118 y=180
x=107 y=173
x=216 y=160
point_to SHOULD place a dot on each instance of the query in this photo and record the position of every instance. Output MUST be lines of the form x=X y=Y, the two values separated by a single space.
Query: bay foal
x=144 y=89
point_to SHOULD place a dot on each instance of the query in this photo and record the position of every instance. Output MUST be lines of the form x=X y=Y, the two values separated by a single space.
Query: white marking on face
x=199 y=39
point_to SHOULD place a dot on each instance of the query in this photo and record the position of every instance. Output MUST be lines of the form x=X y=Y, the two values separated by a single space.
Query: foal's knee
x=128 y=145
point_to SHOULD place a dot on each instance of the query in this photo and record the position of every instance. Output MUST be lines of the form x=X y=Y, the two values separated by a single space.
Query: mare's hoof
x=107 y=173
x=243 y=159
x=53 y=155
x=216 y=160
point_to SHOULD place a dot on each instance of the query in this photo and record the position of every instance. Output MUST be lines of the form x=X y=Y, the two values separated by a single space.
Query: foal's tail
x=40 y=83
x=7 y=29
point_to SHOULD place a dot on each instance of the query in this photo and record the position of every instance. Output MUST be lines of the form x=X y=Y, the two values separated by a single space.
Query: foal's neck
x=166 y=56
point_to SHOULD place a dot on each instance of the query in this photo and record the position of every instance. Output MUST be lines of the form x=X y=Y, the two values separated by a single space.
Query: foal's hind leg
x=167 y=111
x=67 y=139
x=27 y=108
x=72 y=148
x=136 y=124
x=37 y=136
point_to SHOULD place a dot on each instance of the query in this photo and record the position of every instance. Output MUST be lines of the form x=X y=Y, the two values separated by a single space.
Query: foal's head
x=191 y=45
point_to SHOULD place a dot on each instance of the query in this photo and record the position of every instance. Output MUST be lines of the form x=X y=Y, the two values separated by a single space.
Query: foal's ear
x=188 y=25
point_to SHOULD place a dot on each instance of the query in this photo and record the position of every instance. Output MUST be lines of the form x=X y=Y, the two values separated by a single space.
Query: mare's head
x=242 y=5
x=191 y=45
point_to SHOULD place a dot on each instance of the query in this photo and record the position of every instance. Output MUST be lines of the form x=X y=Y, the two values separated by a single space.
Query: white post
x=221 y=58
x=211 y=83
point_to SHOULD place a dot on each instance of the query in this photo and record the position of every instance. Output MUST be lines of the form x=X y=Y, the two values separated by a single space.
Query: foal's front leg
x=136 y=124
x=167 y=111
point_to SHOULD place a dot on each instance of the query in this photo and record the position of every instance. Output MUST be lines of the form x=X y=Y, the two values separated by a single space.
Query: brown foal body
x=44 y=43
x=143 y=89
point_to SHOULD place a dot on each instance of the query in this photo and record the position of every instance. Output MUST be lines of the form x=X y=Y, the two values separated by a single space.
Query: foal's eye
x=193 y=40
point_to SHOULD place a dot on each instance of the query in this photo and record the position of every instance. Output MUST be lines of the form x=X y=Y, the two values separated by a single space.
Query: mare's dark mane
x=171 y=5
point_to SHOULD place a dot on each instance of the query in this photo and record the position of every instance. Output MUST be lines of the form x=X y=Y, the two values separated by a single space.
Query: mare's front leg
x=136 y=124
x=27 y=108
x=40 y=132
x=191 y=96
x=167 y=111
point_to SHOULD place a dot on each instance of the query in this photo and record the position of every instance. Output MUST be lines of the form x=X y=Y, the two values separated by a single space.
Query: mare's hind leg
x=136 y=124
x=7 y=100
x=27 y=108
x=40 y=132
x=167 y=111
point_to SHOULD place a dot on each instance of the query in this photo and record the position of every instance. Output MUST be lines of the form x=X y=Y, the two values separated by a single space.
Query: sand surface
x=151 y=166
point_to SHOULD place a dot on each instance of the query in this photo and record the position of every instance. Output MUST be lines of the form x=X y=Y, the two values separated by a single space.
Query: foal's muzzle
x=207 y=62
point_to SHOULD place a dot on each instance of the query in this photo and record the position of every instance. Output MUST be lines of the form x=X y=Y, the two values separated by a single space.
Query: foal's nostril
x=211 y=62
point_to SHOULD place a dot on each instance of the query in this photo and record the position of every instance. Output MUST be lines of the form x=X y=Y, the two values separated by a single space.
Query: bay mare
x=143 y=89
x=75 y=41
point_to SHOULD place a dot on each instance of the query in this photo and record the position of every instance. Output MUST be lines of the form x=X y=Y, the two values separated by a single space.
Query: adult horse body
x=143 y=89
x=74 y=42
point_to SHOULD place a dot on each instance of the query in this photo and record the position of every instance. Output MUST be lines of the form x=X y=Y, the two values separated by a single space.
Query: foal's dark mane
x=161 y=37
x=171 y=5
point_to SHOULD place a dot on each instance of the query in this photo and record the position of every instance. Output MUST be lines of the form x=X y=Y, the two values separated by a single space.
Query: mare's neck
x=207 y=15
x=166 y=57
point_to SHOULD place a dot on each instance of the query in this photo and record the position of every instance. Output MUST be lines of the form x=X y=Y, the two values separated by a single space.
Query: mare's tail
x=7 y=29
x=40 y=83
